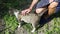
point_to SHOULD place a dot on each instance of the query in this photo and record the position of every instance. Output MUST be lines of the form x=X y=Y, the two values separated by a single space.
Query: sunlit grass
x=52 y=28
x=11 y=23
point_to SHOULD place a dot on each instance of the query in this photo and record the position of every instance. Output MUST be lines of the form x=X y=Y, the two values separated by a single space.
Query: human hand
x=26 y=11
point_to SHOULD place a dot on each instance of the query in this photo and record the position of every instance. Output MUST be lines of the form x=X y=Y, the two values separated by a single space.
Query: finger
x=23 y=12
x=27 y=11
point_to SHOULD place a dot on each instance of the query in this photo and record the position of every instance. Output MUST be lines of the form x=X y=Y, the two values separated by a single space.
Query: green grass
x=53 y=27
x=11 y=24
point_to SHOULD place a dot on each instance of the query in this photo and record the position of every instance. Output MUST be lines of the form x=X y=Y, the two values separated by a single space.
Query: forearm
x=33 y=3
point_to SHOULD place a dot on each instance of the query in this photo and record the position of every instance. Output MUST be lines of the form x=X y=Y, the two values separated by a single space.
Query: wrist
x=30 y=8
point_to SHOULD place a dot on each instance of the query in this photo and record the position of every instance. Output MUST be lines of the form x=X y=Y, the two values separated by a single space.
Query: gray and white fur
x=29 y=18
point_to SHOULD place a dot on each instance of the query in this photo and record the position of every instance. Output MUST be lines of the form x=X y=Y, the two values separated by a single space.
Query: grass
x=11 y=24
x=53 y=27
